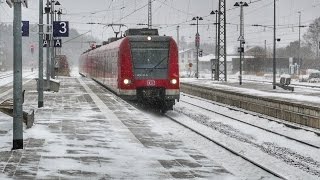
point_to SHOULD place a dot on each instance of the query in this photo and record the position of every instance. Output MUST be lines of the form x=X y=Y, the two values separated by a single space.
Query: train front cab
x=155 y=75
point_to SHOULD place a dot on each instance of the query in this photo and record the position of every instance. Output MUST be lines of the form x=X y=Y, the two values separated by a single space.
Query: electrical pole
x=216 y=63
x=52 y=41
x=59 y=19
x=48 y=49
x=216 y=76
x=222 y=42
x=150 y=14
x=241 y=37
x=299 y=62
x=17 y=77
x=318 y=46
x=40 y=80
x=1 y=53
x=274 y=45
x=197 y=43
x=265 y=49
x=178 y=37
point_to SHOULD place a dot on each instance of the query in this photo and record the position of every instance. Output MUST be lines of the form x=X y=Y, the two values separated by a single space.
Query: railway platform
x=303 y=93
x=302 y=106
x=85 y=132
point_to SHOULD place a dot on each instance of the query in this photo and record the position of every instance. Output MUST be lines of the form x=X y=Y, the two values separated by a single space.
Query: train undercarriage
x=156 y=98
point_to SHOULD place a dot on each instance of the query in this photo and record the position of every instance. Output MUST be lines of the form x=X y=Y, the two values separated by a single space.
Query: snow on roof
x=207 y=58
x=185 y=50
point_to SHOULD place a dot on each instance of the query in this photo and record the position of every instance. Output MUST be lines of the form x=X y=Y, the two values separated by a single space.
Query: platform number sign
x=46 y=43
x=25 y=28
x=57 y=43
x=60 y=29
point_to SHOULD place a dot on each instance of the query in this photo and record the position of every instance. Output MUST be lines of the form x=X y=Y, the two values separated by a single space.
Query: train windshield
x=150 y=59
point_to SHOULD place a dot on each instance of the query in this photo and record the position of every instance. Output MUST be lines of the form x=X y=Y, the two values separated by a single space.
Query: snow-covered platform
x=303 y=95
x=85 y=132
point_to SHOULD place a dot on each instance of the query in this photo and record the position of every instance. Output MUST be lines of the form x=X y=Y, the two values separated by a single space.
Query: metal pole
x=225 y=40
x=241 y=44
x=52 y=42
x=216 y=76
x=48 y=53
x=1 y=53
x=299 y=63
x=197 y=57
x=150 y=14
x=59 y=19
x=40 y=80
x=274 y=45
x=17 y=78
x=178 y=41
x=318 y=46
x=55 y=49
x=265 y=49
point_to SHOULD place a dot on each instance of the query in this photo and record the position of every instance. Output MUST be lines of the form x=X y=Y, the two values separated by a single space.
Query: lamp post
x=299 y=63
x=48 y=38
x=59 y=19
x=197 y=43
x=40 y=81
x=216 y=12
x=274 y=45
x=241 y=37
x=17 y=78
x=53 y=4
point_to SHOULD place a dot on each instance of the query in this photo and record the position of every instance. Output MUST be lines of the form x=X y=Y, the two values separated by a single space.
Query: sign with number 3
x=60 y=29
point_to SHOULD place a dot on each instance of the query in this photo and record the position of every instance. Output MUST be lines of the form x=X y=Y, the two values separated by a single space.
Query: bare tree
x=312 y=36
x=257 y=52
x=292 y=51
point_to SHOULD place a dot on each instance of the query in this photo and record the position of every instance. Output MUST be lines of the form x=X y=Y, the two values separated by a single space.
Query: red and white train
x=141 y=66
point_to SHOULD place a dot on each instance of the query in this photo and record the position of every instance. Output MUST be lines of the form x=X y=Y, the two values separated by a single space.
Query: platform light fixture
x=197 y=42
x=241 y=37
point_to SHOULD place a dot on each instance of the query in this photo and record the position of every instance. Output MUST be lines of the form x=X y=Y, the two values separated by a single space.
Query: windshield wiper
x=150 y=70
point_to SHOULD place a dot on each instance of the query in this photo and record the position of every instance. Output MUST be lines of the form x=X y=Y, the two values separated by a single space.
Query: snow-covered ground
x=289 y=158
x=7 y=76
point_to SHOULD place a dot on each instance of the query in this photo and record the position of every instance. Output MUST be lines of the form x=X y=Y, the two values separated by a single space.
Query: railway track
x=295 y=159
x=2 y=76
x=267 y=130
x=227 y=148
x=290 y=125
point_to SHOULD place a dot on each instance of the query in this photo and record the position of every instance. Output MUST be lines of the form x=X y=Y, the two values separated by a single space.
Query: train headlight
x=173 y=81
x=126 y=81
x=149 y=38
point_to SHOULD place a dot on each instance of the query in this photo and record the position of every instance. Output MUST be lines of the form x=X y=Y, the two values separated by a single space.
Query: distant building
x=187 y=60
x=205 y=62
x=188 y=64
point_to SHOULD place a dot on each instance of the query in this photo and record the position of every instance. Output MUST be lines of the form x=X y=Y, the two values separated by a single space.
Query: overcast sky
x=168 y=13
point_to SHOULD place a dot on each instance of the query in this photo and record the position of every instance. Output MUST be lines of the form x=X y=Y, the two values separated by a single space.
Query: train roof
x=142 y=32
x=132 y=35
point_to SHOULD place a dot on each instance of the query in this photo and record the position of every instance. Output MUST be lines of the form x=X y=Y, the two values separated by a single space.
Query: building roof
x=185 y=50
x=207 y=58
